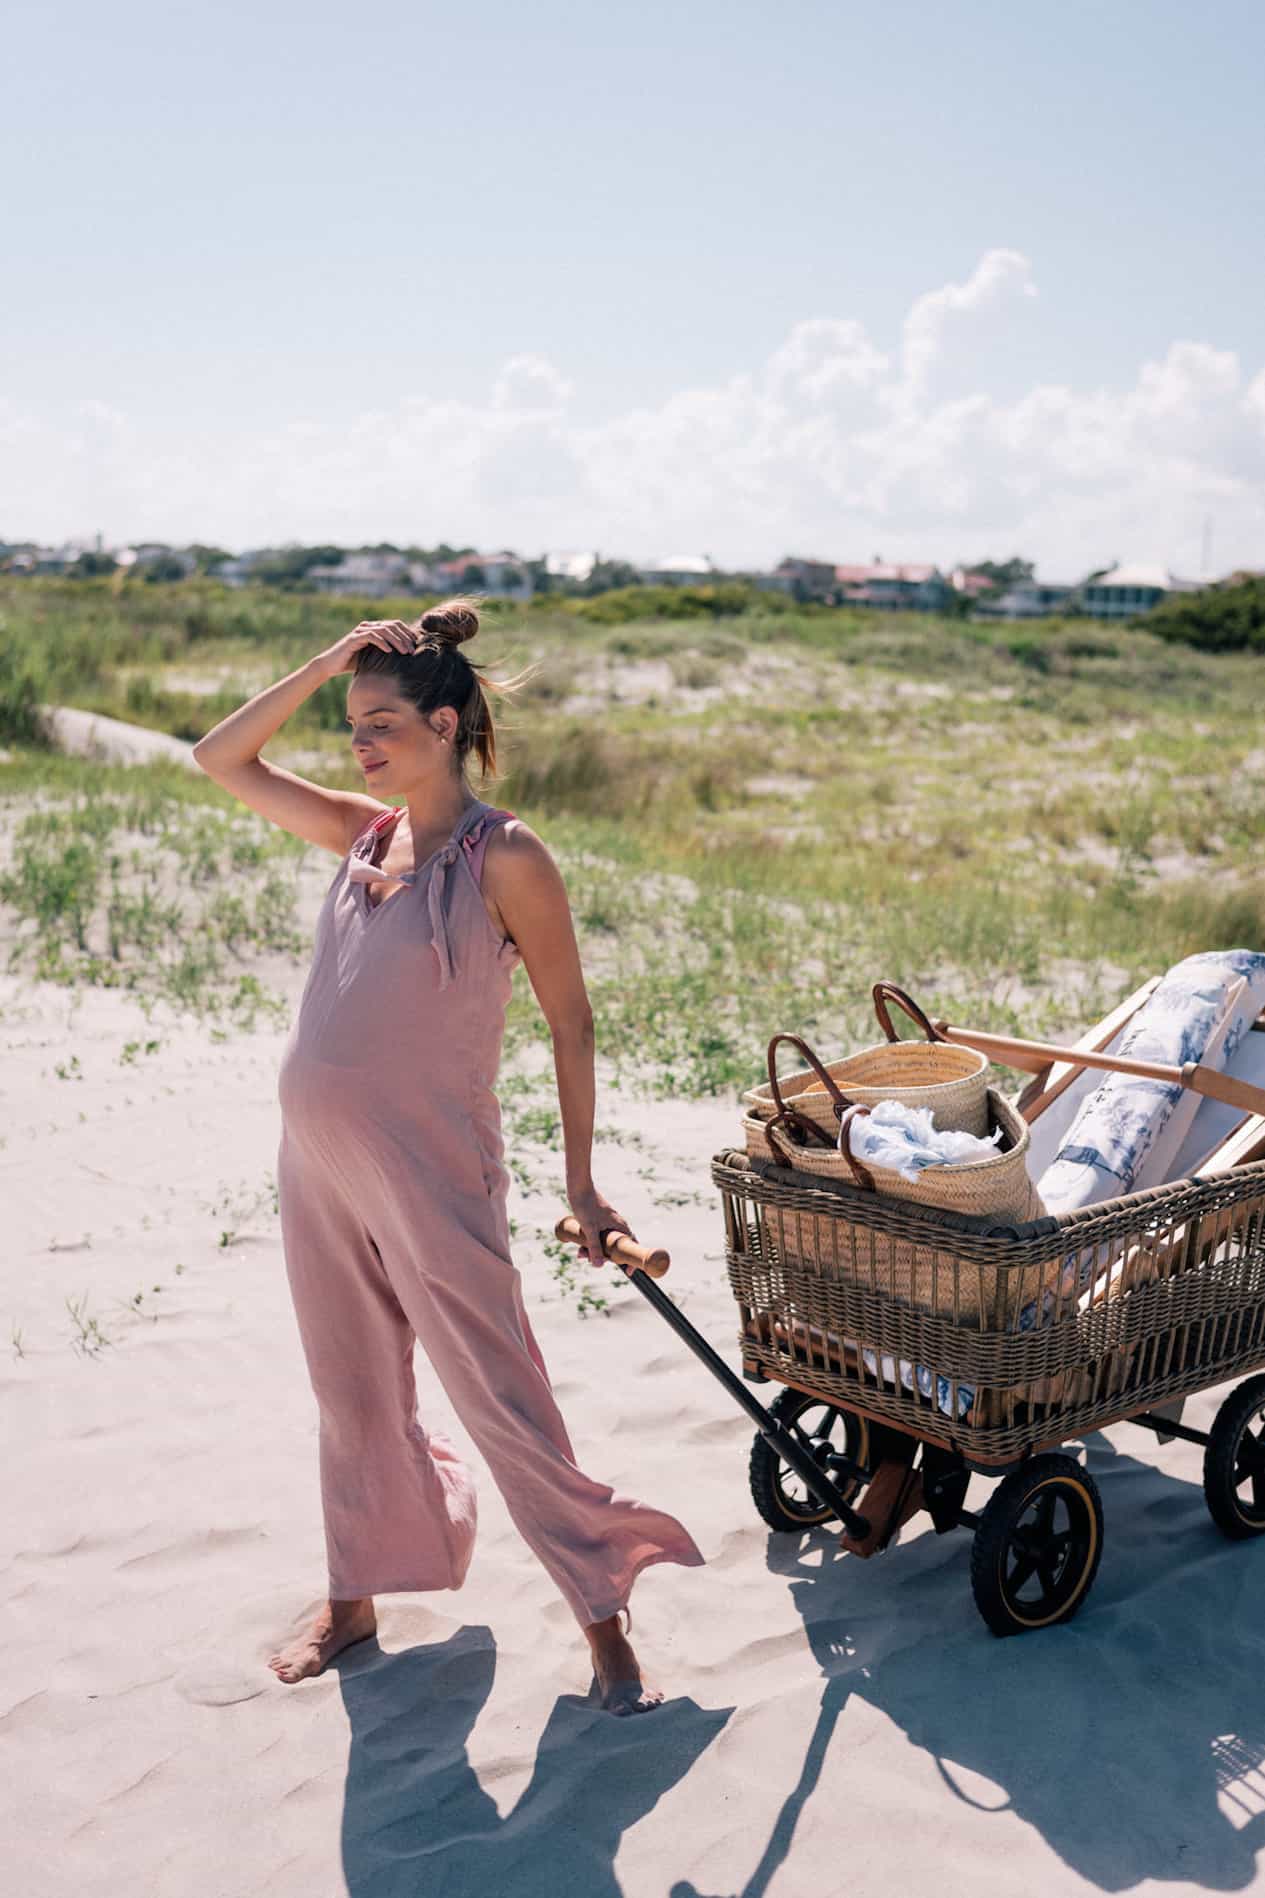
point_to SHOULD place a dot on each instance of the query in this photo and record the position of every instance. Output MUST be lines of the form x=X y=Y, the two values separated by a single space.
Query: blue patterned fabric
x=1129 y=1129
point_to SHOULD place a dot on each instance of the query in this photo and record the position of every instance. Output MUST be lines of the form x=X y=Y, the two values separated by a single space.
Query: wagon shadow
x=417 y=1823
x=1132 y=1738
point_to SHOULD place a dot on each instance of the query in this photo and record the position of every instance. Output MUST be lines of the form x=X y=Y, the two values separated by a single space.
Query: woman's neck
x=433 y=815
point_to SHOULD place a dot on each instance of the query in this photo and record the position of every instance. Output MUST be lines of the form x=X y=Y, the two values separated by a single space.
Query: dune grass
x=757 y=813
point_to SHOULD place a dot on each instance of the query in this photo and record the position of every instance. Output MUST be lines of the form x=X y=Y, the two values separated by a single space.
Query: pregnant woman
x=390 y=1171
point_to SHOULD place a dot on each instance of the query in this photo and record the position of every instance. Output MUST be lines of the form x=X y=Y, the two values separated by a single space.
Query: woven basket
x=950 y=1080
x=832 y=1244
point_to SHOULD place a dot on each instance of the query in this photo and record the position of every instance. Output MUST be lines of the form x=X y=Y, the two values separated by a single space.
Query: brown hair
x=438 y=673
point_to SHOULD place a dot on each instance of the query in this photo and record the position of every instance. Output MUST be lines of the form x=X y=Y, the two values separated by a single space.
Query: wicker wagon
x=1030 y=1337
x=917 y=1347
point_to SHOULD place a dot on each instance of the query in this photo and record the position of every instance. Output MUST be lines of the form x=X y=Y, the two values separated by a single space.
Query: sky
x=927 y=281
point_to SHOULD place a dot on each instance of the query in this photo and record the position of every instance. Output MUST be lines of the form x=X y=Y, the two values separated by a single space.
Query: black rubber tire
x=1004 y=1544
x=775 y=1487
x=1234 y=1456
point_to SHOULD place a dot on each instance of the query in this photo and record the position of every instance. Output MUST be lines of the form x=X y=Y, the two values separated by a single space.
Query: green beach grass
x=758 y=809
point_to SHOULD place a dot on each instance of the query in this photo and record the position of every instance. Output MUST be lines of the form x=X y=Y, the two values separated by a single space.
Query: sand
x=830 y=1725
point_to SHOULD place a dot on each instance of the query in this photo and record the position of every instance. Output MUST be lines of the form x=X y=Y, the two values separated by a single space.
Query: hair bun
x=451 y=623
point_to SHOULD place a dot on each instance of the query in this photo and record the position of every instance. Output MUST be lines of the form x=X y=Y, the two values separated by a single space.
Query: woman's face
x=396 y=746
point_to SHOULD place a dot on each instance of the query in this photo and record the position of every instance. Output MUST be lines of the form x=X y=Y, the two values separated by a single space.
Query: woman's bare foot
x=334 y=1627
x=615 y=1667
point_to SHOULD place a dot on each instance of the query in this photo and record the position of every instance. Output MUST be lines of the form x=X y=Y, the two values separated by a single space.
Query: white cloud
x=530 y=383
x=936 y=318
x=833 y=446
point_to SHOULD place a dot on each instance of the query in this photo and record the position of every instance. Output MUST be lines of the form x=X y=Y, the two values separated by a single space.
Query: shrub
x=1226 y=618
x=23 y=687
x=715 y=600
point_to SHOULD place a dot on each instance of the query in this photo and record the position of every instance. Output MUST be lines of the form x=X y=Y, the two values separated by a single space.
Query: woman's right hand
x=391 y=634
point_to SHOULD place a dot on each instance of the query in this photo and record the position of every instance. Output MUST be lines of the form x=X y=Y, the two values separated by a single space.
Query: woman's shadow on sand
x=1132 y=1738
x=416 y=1820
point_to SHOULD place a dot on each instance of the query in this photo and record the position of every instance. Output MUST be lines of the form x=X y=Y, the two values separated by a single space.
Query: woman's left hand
x=596 y=1215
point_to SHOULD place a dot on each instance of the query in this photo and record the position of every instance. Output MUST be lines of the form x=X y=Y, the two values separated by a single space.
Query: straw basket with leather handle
x=951 y=1081
x=999 y=1187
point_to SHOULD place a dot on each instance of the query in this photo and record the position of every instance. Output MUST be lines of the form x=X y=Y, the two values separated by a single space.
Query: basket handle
x=841 y=1101
x=860 y=1173
x=883 y=992
x=788 y=1117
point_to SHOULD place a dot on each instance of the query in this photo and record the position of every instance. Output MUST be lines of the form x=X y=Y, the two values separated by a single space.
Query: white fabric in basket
x=907 y=1140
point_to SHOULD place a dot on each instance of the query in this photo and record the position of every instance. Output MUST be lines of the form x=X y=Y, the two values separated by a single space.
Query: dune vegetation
x=758 y=809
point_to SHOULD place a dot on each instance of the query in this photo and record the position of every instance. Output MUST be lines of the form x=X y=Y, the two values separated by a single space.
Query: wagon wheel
x=1037 y=1546
x=1234 y=1463
x=783 y=1498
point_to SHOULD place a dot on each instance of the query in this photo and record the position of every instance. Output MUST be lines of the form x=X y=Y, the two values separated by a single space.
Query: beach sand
x=830 y=1725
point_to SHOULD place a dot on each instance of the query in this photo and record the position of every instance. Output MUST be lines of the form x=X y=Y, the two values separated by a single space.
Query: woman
x=390 y=1176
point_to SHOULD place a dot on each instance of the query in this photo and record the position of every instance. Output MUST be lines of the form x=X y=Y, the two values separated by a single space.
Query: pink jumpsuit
x=392 y=1194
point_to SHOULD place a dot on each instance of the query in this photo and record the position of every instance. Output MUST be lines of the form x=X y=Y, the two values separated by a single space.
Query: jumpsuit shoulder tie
x=362 y=868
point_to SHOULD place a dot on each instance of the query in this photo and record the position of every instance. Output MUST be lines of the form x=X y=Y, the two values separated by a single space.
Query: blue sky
x=644 y=277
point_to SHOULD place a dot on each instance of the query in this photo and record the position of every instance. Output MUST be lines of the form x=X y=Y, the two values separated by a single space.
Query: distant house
x=365 y=575
x=965 y=580
x=574 y=567
x=30 y=560
x=501 y=575
x=236 y=572
x=912 y=588
x=424 y=579
x=1029 y=599
x=156 y=558
x=802 y=579
x=679 y=570
x=1121 y=592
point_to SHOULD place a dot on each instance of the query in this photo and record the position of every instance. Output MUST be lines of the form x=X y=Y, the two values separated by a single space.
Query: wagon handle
x=622 y=1251
x=1038 y=1055
x=883 y=992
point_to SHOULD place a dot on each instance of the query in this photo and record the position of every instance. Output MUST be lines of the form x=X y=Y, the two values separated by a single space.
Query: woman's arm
x=526 y=885
x=229 y=753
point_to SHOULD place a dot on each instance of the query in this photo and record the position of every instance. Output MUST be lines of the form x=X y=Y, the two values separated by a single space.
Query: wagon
x=916 y=1348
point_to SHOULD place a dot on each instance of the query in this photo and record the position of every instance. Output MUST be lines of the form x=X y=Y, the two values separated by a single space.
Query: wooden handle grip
x=622 y=1251
x=1036 y=1055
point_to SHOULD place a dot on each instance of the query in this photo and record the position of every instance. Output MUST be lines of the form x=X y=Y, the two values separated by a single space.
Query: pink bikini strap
x=373 y=830
x=476 y=840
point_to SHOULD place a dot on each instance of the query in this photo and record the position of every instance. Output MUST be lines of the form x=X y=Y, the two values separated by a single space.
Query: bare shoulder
x=518 y=863
x=515 y=844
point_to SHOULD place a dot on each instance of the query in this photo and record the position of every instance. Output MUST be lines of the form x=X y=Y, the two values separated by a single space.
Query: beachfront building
x=29 y=560
x=966 y=581
x=1030 y=599
x=679 y=570
x=367 y=576
x=802 y=579
x=150 y=557
x=1121 y=592
x=501 y=576
x=911 y=587
x=576 y=568
x=237 y=571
